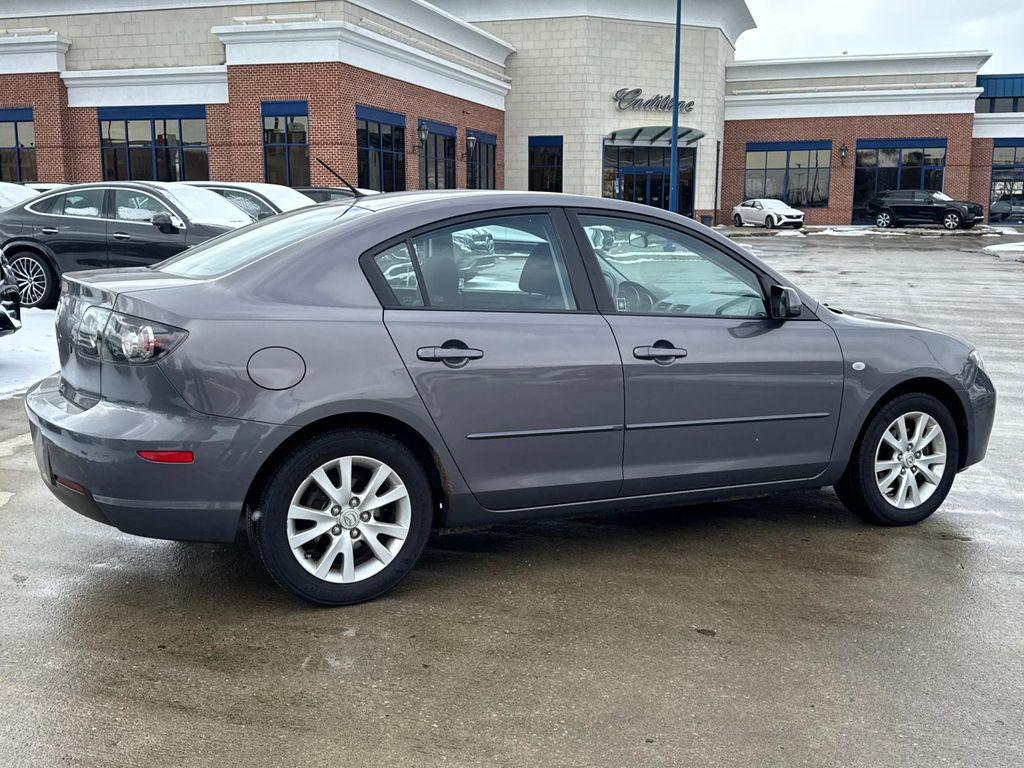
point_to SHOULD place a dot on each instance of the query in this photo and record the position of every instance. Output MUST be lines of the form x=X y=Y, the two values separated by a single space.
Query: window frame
x=152 y=115
x=286 y=109
x=579 y=282
x=447 y=136
x=475 y=164
x=397 y=156
x=789 y=148
x=545 y=142
x=18 y=117
x=606 y=302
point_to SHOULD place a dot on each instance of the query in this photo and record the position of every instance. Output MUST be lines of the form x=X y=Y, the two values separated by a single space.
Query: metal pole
x=673 y=193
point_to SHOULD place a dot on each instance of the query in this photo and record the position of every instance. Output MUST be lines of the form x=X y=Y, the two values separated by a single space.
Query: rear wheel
x=343 y=518
x=904 y=463
x=35 y=278
x=737 y=221
x=951 y=220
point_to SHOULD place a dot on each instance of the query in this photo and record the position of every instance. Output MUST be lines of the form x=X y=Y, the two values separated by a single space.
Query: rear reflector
x=167 y=457
x=71 y=485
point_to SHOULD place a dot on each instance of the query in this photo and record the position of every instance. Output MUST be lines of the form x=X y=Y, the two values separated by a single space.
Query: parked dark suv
x=913 y=206
x=113 y=224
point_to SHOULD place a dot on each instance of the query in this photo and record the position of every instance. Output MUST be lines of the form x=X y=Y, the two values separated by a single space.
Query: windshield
x=285 y=198
x=941 y=196
x=11 y=194
x=242 y=247
x=205 y=207
x=774 y=205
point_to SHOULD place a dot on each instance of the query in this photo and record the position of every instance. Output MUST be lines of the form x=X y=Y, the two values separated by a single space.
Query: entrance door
x=518 y=372
x=641 y=174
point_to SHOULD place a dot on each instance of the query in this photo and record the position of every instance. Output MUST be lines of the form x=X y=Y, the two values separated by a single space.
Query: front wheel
x=35 y=278
x=883 y=220
x=904 y=464
x=769 y=222
x=737 y=221
x=951 y=220
x=343 y=518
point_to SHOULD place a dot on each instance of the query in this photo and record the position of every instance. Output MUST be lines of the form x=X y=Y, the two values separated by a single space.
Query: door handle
x=121 y=236
x=448 y=354
x=660 y=352
x=49 y=230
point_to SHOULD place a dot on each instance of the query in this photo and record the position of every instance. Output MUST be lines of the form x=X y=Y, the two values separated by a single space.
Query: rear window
x=245 y=246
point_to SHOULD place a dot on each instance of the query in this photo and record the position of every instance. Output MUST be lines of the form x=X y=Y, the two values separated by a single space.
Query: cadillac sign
x=633 y=98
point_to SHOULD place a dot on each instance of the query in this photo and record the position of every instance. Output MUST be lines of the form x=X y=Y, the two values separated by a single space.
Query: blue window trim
x=1000 y=86
x=924 y=143
x=152 y=114
x=483 y=137
x=284 y=109
x=789 y=147
x=545 y=141
x=170 y=112
x=778 y=146
x=395 y=157
x=16 y=115
x=1008 y=142
x=442 y=129
x=375 y=115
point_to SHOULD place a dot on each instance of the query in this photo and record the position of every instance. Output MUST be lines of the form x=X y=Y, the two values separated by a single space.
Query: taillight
x=118 y=338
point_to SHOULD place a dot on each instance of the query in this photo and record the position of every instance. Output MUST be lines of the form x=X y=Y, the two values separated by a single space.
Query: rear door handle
x=659 y=352
x=49 y=230
x=121 y=236
x=448 y=354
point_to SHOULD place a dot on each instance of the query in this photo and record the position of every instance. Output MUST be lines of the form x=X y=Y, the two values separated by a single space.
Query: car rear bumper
x=10 y=309
x=88 y=459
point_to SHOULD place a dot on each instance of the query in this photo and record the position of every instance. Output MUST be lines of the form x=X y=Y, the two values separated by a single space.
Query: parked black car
x=258 y=200
x=1008 y=209
x=110 y=224
x=10 y=300
x=327 y=194
x=912 y=206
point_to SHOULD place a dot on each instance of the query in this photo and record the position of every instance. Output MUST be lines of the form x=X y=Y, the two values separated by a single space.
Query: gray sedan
x=330 y=381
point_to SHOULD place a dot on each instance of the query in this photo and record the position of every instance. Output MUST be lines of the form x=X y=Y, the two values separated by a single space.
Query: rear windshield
x=244 y=246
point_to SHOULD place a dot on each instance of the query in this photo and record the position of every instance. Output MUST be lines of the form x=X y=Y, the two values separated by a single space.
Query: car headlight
x=976 y=358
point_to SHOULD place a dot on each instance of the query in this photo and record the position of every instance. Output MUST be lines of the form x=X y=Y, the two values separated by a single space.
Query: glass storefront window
x=437 y=157
x=168 y=145
x=380 y=149
x=482 y=162
x=798 y=173
x=1006 y=199
x=17 y=145
x=896 y=164
x=545 y=163
x=286 y=142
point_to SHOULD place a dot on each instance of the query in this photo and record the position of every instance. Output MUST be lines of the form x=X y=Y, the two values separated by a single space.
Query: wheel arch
x=16 y=245
x=927 y=385
x=390 y=425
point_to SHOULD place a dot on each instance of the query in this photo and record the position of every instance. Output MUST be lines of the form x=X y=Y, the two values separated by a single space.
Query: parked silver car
x=329 y=380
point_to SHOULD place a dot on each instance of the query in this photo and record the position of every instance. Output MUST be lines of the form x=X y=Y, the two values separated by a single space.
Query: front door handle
x=448 y=354
x=121 y=236
x=661 y=351
x=49 y=230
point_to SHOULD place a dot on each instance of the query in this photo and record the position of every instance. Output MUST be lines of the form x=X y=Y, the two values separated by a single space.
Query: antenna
x=355 y=192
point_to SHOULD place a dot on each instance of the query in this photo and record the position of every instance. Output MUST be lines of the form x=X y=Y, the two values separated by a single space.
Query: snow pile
x=28 y=355
x=790 y=233
x=1009 y=249
x=842 y=232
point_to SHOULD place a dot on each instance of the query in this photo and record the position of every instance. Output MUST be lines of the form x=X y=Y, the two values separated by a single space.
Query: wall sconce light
x=843 y=152
x=423 y=133
x=470 y=146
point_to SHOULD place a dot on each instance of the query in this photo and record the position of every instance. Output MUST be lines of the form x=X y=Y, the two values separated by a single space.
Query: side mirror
x=638 y=239
x=166 y=223
x=785 y=303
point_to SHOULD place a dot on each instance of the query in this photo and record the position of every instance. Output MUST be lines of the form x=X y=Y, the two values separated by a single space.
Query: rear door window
x=87 y=203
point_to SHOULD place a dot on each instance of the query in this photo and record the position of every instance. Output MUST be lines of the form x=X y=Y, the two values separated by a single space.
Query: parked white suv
x=766 y=213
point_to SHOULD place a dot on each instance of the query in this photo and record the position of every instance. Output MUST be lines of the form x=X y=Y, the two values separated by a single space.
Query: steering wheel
x=633 y=297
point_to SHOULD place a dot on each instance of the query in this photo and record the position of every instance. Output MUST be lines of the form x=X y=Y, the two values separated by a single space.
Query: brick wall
x=981 y=172
x=956 y=129
x=45 y=93
x=332 y=91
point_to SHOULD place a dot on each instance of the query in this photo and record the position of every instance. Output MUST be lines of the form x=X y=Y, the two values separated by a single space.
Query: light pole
x=673 y=188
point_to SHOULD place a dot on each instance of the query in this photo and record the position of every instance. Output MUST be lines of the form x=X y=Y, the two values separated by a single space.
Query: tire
x=270 y=522
x=951 y=220
x=36 y=280
x=737 y=221
x=885 y=220
x=769 y=222
x=860 y=492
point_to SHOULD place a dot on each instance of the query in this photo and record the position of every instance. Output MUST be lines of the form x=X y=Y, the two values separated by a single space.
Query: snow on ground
x=28 y=355
x=843 y=232
x=1011 y=249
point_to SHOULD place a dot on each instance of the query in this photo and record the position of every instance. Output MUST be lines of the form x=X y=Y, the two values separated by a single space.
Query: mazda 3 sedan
x=328 y=380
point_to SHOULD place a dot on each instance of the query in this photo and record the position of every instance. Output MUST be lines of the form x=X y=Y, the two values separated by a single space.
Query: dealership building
x=555 y=95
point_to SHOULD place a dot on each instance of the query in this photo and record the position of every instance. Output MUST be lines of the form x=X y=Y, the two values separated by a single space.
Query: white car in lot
x=767 y=213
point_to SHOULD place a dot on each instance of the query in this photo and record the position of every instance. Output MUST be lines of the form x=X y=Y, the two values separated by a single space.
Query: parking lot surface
x=770 y=632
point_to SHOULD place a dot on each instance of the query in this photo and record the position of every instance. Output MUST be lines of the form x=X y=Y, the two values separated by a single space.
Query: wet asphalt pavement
x=772 y=632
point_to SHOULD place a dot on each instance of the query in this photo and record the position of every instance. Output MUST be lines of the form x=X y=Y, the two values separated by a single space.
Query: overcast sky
x=794 y=28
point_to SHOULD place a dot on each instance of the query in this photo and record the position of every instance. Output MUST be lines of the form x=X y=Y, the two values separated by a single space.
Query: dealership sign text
x=633 y=98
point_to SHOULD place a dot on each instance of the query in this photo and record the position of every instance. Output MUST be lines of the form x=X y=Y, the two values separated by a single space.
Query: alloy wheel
x=884 y=220
x=910 y=460
x=951 y=221
x=30 y=277
x=348 y=519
